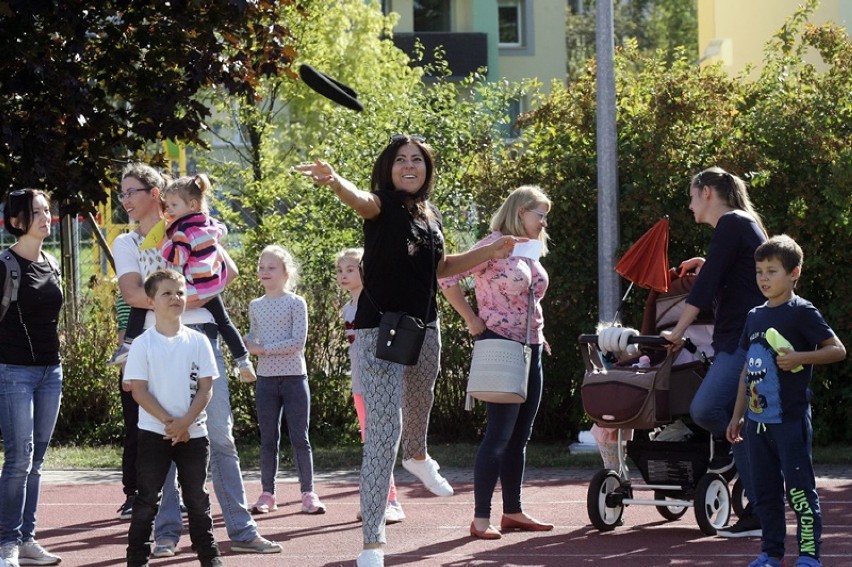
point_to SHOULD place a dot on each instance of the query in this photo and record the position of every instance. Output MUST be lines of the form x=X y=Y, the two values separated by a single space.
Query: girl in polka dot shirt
x=277 y=336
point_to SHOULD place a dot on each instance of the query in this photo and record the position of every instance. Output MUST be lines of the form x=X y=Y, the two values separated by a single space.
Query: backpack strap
x=12 y=281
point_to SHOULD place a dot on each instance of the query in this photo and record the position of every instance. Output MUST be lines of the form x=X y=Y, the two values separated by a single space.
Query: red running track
x=78 y=522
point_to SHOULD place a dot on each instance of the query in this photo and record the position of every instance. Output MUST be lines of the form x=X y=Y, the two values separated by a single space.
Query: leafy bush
x=90 y=412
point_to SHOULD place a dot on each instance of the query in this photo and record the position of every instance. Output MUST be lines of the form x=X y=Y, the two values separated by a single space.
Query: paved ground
x=77 y=520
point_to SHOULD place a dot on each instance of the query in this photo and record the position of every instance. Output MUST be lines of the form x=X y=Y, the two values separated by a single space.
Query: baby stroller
x=651 y=400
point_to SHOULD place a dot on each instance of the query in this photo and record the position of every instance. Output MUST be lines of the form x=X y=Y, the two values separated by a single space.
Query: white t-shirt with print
x=172 y=367
x=130 y=260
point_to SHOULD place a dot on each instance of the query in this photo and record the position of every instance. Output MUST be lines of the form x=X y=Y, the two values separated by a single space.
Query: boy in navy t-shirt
x=784 y=338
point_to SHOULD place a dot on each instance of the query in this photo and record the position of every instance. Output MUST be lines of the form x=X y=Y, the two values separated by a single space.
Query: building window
x=509 y=130
x=511 y=24
x=432 y=15
x=577 y=6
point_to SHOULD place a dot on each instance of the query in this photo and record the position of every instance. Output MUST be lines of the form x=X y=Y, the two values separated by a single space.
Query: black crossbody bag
x=401 y=335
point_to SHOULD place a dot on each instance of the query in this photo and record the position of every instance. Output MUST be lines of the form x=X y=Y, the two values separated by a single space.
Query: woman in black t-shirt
x=30 y=374
x=403 y=255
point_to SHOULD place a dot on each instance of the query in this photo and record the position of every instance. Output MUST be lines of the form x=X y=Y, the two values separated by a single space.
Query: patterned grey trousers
x=398 y=400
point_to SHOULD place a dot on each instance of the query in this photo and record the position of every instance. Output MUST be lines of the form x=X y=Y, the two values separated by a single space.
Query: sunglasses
x=122 y=195
x=541 y=215
x=20 y=193
x=412 y=137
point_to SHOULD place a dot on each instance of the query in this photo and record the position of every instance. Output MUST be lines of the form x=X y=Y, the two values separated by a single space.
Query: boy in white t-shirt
x=171 y=370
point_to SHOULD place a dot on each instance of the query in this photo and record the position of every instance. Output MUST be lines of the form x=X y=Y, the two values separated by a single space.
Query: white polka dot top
x=280 y=324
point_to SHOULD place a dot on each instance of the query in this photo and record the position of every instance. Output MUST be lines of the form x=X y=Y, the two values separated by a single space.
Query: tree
x=787 y=133
x=85 y=85
x=664 y=25
x=351 y=41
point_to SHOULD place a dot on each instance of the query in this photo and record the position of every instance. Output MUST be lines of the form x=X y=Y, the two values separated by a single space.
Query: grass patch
x=457 y=455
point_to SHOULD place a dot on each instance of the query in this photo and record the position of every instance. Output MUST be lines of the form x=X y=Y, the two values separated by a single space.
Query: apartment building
x=735 y=32
x=512 y=39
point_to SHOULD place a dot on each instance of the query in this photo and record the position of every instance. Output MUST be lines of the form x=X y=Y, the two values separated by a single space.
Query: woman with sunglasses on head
x=725 y=284
x=403 y=257
x=505 y=289
x=30 y=374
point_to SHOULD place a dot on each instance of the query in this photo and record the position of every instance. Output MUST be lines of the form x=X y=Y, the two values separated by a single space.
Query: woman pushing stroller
x=725 y=283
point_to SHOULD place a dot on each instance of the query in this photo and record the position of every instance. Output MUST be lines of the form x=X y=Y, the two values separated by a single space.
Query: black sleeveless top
x=399 y=263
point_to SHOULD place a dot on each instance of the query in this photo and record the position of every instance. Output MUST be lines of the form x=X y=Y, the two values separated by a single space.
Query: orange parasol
x=646 y=263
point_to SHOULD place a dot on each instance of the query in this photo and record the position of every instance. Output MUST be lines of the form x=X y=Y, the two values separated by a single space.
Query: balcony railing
x=464 y=52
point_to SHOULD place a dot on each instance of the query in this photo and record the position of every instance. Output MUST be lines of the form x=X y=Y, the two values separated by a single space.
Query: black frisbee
x=330 y=88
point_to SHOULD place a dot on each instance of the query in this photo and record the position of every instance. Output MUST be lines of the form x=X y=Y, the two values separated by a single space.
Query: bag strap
x=530 y=304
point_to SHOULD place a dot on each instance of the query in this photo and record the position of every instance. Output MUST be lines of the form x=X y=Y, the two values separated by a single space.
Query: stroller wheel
x=670 y=513
x=712 y=503
x=739 y=500
x=604 y=501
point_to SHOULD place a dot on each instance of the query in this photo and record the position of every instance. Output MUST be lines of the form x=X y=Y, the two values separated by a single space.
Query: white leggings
x=398 y=400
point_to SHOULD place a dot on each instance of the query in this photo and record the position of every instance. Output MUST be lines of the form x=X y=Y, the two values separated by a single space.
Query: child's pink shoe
x=265 y=504
x=311 y=504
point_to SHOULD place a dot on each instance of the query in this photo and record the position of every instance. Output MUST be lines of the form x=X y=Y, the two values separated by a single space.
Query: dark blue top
x=777 y=395
x=727 y=283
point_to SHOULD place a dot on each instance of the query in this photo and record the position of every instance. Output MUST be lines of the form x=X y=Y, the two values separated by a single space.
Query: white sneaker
x=394 y=513
x=31 y=553
x=9 y=554
x=164 y=549
x=246 y=371
x=427 y=471
x=371 y=558
x=119 y=356
x=257 y=545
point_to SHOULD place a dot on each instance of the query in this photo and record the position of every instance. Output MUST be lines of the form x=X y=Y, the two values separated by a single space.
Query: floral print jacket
x=502 y=293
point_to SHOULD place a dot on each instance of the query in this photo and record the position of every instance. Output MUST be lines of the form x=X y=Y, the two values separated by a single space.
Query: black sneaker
x=125 y=511
x=722 y=462
x=747 y=526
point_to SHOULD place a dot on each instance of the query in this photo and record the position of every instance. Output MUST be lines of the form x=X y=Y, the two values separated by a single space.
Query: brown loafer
x=489 y=533
x=507 y=523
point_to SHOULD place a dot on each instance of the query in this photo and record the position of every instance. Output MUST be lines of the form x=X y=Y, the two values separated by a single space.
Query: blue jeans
x=502 y=453
x=289 y=396
x=29 y=406
x=224 y=469
x=782 y=454
x=156 y=456
x=713 y=406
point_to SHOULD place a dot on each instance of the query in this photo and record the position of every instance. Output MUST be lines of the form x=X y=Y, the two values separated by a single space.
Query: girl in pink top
x=502 y=297
x=192 y=245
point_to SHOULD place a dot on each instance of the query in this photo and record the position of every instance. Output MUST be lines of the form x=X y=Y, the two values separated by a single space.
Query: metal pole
x=608 y=283
x=70 y=268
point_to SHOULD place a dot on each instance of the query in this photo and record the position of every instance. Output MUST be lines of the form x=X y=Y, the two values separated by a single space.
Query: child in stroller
x=662 y=311
x=623 y=391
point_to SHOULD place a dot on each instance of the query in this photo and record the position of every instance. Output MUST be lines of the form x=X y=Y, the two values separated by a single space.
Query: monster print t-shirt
x=776 y=395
